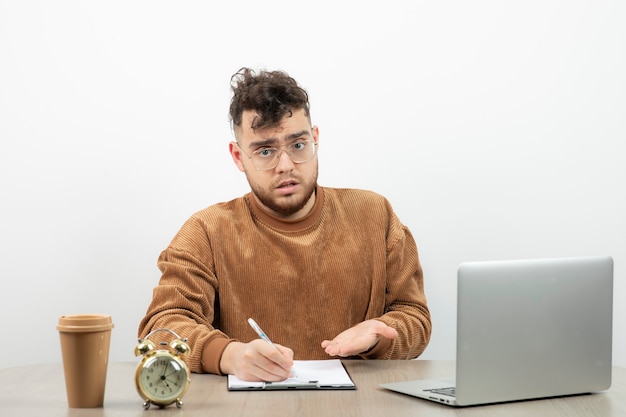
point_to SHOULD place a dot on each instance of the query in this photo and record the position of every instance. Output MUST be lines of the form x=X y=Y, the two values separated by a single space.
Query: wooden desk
x=36 y=391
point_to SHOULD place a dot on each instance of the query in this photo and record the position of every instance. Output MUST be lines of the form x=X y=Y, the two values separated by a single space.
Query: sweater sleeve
x=406 y=308
x=185 y=299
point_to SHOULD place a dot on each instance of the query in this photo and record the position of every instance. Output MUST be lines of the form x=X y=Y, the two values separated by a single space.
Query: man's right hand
x=257 y=361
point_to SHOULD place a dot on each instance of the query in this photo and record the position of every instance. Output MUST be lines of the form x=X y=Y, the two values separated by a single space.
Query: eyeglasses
x=299 y=152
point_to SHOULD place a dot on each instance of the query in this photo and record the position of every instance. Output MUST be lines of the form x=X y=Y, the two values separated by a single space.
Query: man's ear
x=316 y=134
x=236 y=154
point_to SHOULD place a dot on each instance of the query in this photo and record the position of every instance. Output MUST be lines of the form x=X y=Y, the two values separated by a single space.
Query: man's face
x=288 y=189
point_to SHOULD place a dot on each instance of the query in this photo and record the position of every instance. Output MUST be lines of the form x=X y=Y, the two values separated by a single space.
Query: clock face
x=162 y=378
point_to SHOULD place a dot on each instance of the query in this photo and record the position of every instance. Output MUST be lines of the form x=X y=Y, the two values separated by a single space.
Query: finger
x=285 y=351
x=268 y=370
x=273 y=373
x=281 y=355
x=263 y=362
x=389 y=332
x=333 y=349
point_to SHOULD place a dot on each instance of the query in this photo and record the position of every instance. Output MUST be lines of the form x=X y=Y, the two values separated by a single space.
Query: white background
x=495 y=128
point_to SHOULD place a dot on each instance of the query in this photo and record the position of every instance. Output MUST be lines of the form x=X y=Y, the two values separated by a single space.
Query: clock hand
x=165 y=370
x=164 y=376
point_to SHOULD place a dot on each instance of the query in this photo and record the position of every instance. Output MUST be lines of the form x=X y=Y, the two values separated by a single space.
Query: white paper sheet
x=320 y=374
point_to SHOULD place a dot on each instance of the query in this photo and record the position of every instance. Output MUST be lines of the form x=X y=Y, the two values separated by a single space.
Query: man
x=325 y=272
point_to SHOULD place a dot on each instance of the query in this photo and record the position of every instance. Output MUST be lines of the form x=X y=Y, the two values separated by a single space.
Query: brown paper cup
x=85 y=341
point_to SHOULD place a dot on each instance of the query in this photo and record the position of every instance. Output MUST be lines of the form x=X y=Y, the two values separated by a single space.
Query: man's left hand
x=360 y=338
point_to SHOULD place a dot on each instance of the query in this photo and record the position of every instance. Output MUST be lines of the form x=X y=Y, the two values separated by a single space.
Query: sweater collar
x=288 y=225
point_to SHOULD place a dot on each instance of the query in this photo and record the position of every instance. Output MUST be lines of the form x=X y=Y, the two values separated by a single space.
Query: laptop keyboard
x=450 y=391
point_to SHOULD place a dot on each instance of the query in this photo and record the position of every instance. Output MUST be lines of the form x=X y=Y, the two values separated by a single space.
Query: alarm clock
x=162 y=376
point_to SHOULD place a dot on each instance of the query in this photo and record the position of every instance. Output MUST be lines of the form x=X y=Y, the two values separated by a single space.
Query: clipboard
x=327 y=374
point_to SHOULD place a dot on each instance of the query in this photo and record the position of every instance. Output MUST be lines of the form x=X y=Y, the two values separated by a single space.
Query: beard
x=288 y=204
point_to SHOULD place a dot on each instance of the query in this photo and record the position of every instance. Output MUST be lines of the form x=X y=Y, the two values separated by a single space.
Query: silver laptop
x=527 y=329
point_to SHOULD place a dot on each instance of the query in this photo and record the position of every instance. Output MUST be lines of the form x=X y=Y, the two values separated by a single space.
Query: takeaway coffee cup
x=85 y=340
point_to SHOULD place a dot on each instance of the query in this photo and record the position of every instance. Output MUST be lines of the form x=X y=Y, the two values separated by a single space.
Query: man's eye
x=265 y=153
x=299 y=146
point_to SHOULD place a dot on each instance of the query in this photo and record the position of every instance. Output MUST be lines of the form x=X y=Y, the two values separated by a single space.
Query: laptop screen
x=534 y=328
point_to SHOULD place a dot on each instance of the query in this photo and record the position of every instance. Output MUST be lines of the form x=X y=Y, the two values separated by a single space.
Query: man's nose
x=284 y=162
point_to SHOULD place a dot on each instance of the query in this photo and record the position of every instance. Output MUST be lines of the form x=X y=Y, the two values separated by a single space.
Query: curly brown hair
x=271 y=94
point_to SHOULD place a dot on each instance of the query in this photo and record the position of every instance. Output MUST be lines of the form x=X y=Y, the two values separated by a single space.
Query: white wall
x=495 y=128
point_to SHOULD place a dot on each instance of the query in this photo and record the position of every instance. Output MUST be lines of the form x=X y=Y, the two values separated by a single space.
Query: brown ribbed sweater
x=350 y=259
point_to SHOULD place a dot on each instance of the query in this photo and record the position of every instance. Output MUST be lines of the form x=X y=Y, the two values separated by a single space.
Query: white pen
x=263 y=336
